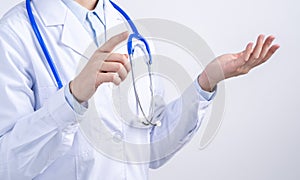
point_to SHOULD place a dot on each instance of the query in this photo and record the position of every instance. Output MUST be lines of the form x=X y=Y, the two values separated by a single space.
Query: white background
x=260 y=135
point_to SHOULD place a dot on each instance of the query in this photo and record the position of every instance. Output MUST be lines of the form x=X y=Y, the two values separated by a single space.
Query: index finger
x=119 y=58
x=109 y=46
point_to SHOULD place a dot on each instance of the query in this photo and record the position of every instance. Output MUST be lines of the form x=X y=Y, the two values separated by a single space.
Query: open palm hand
x=231 y=65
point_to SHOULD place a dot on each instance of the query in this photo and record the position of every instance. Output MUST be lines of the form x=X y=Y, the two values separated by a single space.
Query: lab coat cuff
x=60 y=110
x=79 y=108
x=207 y=96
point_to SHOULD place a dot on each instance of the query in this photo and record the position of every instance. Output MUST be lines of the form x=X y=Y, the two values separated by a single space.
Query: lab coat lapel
x=74 y=36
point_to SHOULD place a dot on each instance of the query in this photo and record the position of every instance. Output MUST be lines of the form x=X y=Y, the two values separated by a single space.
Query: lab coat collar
x=54 y=13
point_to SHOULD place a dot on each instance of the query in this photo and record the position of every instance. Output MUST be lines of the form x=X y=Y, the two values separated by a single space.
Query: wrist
x=205 y=83
x=71 y=86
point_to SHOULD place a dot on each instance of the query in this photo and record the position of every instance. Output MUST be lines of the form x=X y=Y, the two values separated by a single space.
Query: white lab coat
x=39 y=134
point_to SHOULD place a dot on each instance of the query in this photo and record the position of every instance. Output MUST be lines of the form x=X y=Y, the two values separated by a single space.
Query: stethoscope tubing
x=130 y=48
x=43 y=45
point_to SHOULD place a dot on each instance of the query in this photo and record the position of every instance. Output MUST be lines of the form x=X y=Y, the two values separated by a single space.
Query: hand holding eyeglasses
x=231 y=65
x=104 y=66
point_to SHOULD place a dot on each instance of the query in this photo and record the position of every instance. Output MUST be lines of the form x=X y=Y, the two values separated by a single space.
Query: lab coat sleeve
x=30 y=139
x=180 y=119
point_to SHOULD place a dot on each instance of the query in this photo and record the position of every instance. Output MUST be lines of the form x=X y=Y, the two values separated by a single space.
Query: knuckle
x=119 y=67
x=256 y=56
x=123 y=77
x=116 y=79
x=122 y=58
x=112 y=77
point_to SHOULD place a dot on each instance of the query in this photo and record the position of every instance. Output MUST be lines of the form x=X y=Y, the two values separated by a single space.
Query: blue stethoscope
x=135 y=35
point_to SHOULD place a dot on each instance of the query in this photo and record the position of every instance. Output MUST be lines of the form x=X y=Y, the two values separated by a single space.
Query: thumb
x=113 y=42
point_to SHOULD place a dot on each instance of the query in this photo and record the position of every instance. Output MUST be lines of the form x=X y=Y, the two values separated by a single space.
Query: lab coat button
x=118 y=137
